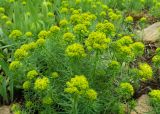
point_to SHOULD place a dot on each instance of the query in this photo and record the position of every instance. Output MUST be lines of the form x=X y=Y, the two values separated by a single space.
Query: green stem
x=95 y=66
x=4 y=91
x=122 y=69
x=75 y=105
x=7 y=46
x=11 y=88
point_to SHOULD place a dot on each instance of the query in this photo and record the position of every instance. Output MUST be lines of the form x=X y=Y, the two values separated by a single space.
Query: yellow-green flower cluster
x=15 y=65
x=65 y=3
x=15 y=107
x=86 y=18
x=2 y=10
x=23 y=51
x=83 y=18
x=17 y=112
x=40 y=42
x=15 y=34
x=31 y=45
x=122 y=53
x=54 y=29
x=78 y=1
x=145 y=71
x=63 y=23
x=26 y=85
x=114 y=16
x=121 y=108
x=129 y=19
x=75 y=19
x=155 y=95
x=143 y=20
x=79 y=85
x=75 y=50
x=125 y=41
x=103 y=14
x=47 y=100
x=81 y=30
x=32 y=74
x=41 y=84
x=156 y=60
x=91 y=94
x=23 y=3
x=55 y=75
x=114 y=66
x=19 y=54
x=64 y=10
x=4 y=17
x=28 y=34
x=126 y=90
x=11 y=1
x=97 y=41
x=28 y=104
x=43 y=34
x=126 y=49
x=28 y=14
x=28 y=47
x=137 y=48
x=134 y=72
x=107 y=27
x=75 y=11
x=47 y=3
x=99 y=3
x=69 y=37
x=25 y=47
x=50 y=14
x=105 y=7
x=8 y=23
x=126 y=53
x=158 y=51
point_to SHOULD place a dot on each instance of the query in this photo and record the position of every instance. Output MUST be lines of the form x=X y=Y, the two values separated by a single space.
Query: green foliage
x=154 y=100
x=72 y=56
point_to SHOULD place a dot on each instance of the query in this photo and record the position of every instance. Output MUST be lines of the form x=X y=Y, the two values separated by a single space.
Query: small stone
x=5 y=110
x=151 y=34
x=143 y=106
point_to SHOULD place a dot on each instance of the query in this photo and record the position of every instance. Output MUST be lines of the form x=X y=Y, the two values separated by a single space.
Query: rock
x=5 y=110
x=143 y=106
x=151 y=33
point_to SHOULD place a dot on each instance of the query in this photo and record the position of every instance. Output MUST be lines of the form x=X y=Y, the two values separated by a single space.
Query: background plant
x=62 y=52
